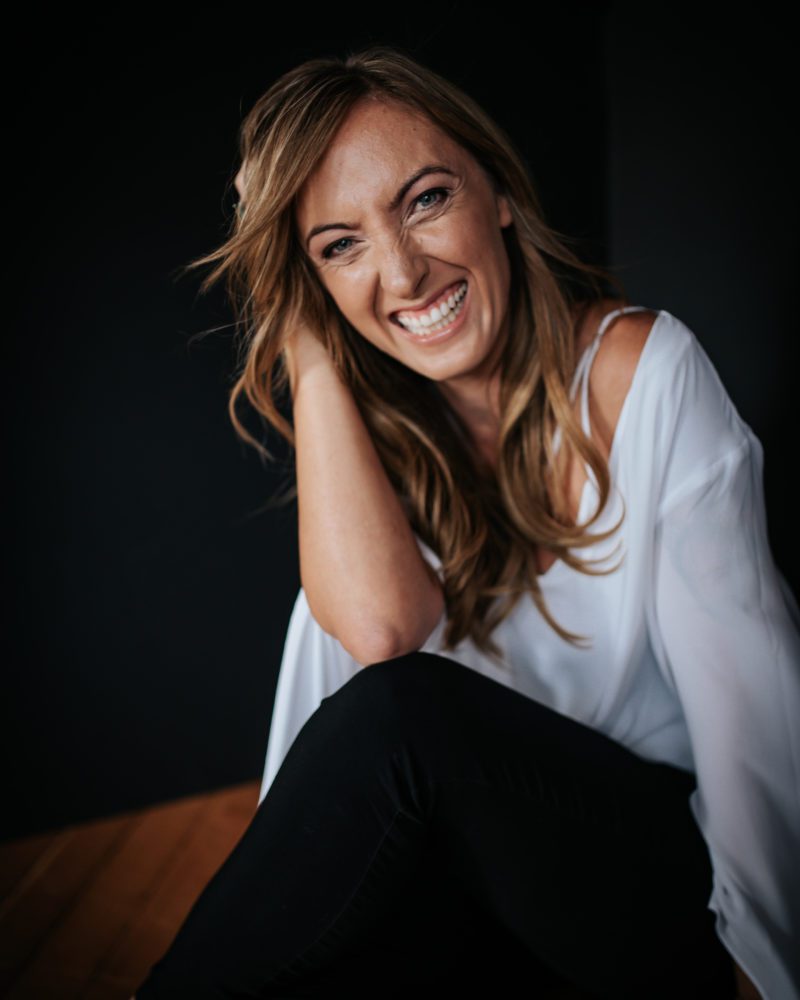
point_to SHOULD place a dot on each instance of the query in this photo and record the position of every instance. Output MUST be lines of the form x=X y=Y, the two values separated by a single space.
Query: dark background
x=148 y=593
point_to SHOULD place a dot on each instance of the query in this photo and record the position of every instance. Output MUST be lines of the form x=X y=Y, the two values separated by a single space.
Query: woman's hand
x=304 y=351
x=745 y=988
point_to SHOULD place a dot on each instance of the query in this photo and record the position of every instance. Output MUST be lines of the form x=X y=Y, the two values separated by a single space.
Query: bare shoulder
x=614 y=366
x=621 y=345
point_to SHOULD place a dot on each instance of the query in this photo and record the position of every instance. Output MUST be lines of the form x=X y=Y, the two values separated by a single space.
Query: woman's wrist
x=304 y=353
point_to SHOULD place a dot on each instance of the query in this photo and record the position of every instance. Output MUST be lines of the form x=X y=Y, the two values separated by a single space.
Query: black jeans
x=431 y=827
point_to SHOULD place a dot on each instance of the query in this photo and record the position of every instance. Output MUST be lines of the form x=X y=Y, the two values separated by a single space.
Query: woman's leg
x=583 y=855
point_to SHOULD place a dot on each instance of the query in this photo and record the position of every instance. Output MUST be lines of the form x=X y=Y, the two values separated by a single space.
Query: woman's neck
x=477 y=402
x=476 y=398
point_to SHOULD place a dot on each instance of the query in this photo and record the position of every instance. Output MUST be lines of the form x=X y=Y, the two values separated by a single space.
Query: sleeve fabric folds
x=726 y=629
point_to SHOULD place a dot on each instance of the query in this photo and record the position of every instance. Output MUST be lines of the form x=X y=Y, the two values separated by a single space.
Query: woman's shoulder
x=590 y=316
x=677 y=379
x=616 y=359
x=623 y=340
x=624 y=335
x=685 y=420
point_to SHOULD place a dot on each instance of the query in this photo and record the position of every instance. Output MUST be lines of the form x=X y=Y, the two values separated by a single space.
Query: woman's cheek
x=340 y=289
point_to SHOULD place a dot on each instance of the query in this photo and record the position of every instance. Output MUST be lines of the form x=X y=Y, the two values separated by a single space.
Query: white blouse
x=695 y=651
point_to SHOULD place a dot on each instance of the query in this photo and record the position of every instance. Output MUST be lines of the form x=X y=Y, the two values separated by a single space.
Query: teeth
x=441 y=315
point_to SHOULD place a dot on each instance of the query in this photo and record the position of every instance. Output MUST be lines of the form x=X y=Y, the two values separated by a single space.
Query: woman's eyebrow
x=431 y=168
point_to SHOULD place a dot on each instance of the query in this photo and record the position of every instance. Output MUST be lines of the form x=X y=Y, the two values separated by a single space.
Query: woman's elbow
x=394 y=638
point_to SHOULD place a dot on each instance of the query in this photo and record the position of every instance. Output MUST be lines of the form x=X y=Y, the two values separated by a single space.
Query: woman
x=551 y=763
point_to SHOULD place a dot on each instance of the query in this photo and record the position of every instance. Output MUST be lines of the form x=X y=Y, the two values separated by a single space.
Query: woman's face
x=398 y=220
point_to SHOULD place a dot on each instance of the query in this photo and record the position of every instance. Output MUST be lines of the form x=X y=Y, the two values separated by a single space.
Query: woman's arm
x=365 y=579
x=725 y=628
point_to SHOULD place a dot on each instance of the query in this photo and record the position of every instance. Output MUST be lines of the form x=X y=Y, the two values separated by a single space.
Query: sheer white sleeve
x=727 y=634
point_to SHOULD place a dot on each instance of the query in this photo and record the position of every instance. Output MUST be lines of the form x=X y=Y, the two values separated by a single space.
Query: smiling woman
x=385 y=228
x=495 y=796
x=425 y=266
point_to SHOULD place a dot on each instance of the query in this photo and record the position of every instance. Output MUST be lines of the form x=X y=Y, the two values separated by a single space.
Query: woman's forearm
x=362 y=572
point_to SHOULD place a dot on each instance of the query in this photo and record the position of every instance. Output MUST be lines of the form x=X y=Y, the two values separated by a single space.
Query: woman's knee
x=406 y=680
x=389 y=711
x=396 y=694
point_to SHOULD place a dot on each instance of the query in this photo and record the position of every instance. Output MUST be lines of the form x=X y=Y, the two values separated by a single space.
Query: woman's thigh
x=586 y=853
x=583 y=855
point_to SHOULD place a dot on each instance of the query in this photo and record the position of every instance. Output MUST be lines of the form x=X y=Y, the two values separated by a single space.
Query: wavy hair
x=483 y=524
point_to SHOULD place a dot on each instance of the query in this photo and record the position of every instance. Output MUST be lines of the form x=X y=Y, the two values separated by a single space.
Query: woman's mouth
x=443 y=317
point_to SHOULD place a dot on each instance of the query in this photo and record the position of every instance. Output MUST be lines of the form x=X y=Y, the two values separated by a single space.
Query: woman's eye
x=328 y=251
x=426 y=194
x=336 y=249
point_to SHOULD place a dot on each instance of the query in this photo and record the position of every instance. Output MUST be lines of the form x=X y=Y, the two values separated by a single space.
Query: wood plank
x=50 y=889
x=149 y=933
x=64 y=962
x=17 y=858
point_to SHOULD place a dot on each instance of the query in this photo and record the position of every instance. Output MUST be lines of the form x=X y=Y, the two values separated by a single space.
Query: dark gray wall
x=148 y=594
x=702 y=207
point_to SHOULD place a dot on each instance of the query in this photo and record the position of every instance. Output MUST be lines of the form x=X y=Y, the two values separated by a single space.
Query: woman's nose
x=402 y=267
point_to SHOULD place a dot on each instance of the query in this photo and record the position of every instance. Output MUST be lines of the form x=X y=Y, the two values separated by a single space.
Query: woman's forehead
x=375 y=150
x=384 y=136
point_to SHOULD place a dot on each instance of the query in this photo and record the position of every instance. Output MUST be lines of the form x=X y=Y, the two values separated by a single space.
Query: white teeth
x=440 y=316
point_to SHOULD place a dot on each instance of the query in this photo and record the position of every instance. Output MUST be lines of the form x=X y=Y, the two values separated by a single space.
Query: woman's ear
x=238 y=181
x=504 y=216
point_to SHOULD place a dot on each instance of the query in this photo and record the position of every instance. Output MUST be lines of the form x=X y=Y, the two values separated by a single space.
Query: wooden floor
x=85 y=911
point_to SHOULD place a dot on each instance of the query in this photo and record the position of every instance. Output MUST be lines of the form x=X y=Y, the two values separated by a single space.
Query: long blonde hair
x=483 y=526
